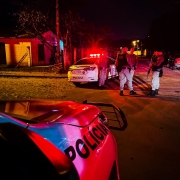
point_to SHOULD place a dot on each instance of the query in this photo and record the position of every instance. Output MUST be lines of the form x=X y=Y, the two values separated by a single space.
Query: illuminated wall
x=138 y=53
x=16 y=51
x=16 y=48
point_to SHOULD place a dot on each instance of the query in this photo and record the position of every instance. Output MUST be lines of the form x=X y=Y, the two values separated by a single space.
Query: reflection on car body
x=86 y=70
x=79 y=130
x=177 y=61
x=25 y=155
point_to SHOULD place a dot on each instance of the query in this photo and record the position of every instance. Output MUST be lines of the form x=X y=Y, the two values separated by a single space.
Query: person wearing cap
x=125 y=71
x=156 y=65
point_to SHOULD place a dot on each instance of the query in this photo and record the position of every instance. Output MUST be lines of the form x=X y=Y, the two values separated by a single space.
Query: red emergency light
x=95 y=55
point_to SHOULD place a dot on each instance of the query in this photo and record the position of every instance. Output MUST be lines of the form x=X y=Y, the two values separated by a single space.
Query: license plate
x=79 y=77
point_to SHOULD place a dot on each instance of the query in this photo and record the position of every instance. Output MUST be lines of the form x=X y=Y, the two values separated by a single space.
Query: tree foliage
x=72 y=26
x=75 y=29
x=34 y=17
x=32 y=21
x=95 y=36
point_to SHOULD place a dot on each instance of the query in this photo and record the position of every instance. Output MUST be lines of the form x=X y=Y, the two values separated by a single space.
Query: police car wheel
x=76 y=83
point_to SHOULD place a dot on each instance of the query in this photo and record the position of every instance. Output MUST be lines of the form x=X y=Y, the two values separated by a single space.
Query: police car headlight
x=103 y=119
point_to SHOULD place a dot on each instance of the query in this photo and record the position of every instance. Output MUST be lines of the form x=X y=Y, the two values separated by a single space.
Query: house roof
x=10 y=33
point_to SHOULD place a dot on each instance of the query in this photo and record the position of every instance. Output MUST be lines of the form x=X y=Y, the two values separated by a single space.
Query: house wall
x=47 y=54
x=16 y=48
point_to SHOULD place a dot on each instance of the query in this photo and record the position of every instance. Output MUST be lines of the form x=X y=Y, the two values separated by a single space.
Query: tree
x=94 y=36
x=71 y=29
x=57 y=32
x=33 y=23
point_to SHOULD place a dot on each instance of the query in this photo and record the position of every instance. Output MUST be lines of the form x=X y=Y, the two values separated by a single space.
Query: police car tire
x=76 y=83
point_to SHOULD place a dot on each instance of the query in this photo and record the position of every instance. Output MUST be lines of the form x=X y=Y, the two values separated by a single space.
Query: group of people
x=126 y=64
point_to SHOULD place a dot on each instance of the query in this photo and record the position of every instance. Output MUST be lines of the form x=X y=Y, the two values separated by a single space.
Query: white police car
x=79 y=131
x=86 y=69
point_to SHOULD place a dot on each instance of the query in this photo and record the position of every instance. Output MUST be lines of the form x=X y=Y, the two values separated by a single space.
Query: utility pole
x=58 y=32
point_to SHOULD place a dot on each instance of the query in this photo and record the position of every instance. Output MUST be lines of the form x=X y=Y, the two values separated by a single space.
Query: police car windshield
x=31 y=111
x=86 y=61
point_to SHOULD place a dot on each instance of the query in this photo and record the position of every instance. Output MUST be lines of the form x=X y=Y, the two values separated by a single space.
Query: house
x=28 y=51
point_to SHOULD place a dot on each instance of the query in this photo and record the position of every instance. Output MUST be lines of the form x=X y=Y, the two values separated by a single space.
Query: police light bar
x=94 y=55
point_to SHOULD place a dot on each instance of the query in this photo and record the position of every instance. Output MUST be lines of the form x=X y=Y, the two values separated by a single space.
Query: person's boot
x=156 y=91
x=152 y=93
x=121 y=93
x=132 y=92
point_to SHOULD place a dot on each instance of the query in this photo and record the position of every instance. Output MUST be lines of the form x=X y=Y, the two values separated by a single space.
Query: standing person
x=125 y=71
x=156 y=65
x=103 y=64
x=132 y=60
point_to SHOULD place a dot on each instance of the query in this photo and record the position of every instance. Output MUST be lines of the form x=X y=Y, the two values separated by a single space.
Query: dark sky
x=128 y=18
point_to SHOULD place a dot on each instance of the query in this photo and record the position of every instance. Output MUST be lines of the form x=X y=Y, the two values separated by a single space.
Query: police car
x=86 y=69
x=79 y=133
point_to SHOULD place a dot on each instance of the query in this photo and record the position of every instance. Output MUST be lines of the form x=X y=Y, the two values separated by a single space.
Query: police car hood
x=43 y=111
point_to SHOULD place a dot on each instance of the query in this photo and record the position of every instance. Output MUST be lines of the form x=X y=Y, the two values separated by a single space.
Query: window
x=86 y=61
x=41 y=52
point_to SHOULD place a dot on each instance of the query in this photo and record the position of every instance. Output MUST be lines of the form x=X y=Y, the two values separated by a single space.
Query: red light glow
x=60 y=161
x=95 y=55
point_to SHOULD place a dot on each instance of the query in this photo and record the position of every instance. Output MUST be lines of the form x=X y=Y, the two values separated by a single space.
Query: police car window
x=45 y=116
x=86 y=61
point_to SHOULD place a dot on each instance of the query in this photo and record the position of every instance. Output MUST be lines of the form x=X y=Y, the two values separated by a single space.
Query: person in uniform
x=103 y=65
x=125 y=71
x=156 y=65
x=132 y=60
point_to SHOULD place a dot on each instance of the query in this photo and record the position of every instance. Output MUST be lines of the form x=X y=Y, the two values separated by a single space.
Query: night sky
x=128 y=18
